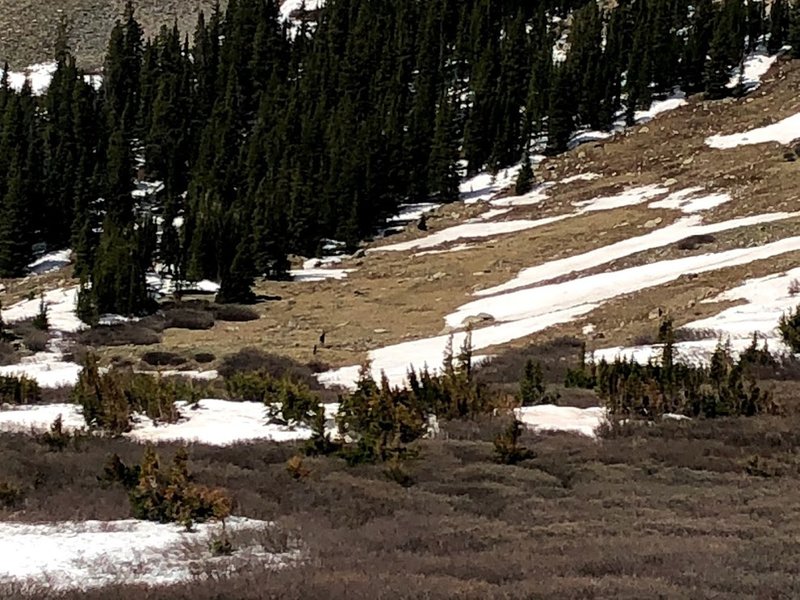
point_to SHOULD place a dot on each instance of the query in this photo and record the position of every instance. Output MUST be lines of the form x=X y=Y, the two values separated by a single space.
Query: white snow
x=40 y=76
x=456 y=248
x=492 y=214
x=310 y=274
x=535 y=196
x=580 y=177
x=548 y=417
x=688 y=200
x=484 y=186
x=214 y=422
x=91 y=554
x=467 y=231
x=48 y=369
x=629 y=197
x=164 y=284
x=60 y=303
x=408 y=213
x=783 y=132
x=657 y=238
x=52 y=261
x=290 y=6
x=754 y=67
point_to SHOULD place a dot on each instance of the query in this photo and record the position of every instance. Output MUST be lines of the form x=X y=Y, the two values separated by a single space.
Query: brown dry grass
x=702 y=509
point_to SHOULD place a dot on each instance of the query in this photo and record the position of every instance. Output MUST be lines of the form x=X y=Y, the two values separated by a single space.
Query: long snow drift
x=213 y=422
x=92 y=554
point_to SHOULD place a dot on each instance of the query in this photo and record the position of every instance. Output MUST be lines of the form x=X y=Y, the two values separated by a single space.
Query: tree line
x=271 y=138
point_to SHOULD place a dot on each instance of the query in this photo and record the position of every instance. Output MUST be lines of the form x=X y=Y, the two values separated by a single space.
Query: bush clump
x=789 y=326
x=235 y=313
x=10 y=494
x=167 y=495
x=160 y=358
x=19 y=390
x=110 y=399
x=291 y=400
x=122 y=334
x=507 y=448
x=188 y=318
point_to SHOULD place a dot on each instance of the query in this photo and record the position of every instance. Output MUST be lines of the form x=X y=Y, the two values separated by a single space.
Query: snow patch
x=549 y=417
x=784 y=131
x=213 y=422
x=52 y=261
x=92 y=554
x=60 y=304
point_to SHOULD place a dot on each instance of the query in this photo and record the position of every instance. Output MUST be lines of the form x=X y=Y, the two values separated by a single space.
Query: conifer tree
x=778 y=25
x=15 y=225
x=524 y=183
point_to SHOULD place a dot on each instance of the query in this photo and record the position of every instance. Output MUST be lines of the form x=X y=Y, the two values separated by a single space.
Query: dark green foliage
x=292 y=401
x=10 y=495
x=167 y=496
x=793 y=34
x=507 y=448
x=320 y=443
x=19 y=390
x=41 y=321
x=109 y=400
x=524 y=183
x=724 y=388
x=532 y=390
x=789 y=326
x=56 y=439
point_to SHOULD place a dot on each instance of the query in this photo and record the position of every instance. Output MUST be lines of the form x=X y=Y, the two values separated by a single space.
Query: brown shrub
x=160 y=358
x=36 y=340
x=123 y=334
x=204 y=358
x=234 y=313
x=693 y=242
x=188 y=318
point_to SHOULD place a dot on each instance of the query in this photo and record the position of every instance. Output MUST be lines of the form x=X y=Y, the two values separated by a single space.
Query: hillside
x=28 y=27
x=573 y=226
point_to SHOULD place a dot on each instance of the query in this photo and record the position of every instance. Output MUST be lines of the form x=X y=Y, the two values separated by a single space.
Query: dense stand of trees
x=270 y=138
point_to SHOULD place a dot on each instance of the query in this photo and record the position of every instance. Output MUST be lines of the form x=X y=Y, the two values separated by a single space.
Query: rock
x=653 y=223
x=688 y=160
x=380 y=331
x=582 y=154
x=644 y=129
x=437 y=276
x=477 y=319
x=654 y=314
x=670 y=182
x=361 y=253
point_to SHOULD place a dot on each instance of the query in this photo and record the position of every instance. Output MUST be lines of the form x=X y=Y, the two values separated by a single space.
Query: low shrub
x=507 y=449
x=110 y=399
x=695 y=241
x=56 y=439
x=161 y=358
x=188 y=318
x=204 y=358
x=10 y=494
x=234 y=313
x=255 y=360
x=291 y=400
x=8 y=354
x=167 y=496
x=36 y=340
x=122 y=334
x=789 y=326
x=19 y=390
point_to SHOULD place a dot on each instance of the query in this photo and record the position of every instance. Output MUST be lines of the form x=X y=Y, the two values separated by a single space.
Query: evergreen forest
x=271 y=137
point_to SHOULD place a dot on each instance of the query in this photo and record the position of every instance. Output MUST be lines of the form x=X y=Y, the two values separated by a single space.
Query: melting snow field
x=522 y=312
x=783 y=132
x=213 y=422
x=92 y=554
x=762 y=301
